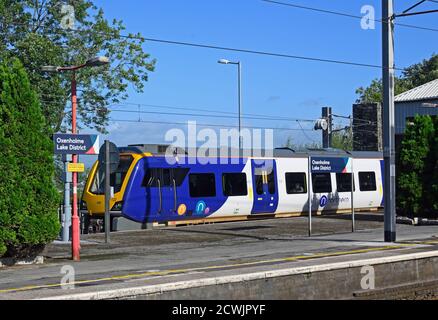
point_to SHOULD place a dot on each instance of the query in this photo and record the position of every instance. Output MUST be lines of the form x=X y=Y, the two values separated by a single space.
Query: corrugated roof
x=424 y=92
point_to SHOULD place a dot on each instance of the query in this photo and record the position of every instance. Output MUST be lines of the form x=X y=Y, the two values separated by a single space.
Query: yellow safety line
x=173 y=271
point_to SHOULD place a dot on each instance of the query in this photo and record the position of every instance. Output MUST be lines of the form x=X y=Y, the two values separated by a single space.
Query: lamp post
x=239 y=84
x=94 y=62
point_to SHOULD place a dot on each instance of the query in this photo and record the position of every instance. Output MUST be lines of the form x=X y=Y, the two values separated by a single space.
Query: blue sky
x=191 y=77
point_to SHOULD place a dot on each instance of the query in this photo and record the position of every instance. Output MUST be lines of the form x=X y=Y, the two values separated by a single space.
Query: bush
x=28 y=198
x=418 y=165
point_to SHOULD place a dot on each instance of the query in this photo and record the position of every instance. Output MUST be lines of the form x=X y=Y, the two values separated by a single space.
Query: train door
x=159 y=192
x=264 y=177
x=168 y=190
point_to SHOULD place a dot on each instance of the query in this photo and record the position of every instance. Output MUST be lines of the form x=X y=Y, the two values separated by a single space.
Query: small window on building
x=296 y=183
x=162 y=148
x=343 y=182
x=234 y=184
x=367 y=181
x=202 y=185
x=321 y=183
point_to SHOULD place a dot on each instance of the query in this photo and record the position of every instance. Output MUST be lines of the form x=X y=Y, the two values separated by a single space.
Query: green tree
x=342 y=139
x=417 y=163
x=431 y=194
x=300 y=147
x=411 y=77
x=29 y=200
x=37 y=32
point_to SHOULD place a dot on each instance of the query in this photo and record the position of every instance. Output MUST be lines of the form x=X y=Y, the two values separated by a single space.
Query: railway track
x=410 y=291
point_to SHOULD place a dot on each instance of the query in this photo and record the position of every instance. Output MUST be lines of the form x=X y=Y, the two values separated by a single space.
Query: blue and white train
x=147 y=188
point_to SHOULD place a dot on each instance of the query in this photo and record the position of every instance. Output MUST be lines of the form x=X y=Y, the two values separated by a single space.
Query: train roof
x=277 y=152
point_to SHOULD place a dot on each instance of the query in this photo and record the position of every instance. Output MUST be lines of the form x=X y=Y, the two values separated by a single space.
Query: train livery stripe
x=382 y=172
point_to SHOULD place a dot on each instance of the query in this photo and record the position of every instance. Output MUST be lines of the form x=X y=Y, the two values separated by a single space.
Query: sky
x=272 y=86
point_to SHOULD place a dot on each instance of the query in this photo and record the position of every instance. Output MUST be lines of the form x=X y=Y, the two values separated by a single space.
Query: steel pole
x=353 y=222
x=239 y=67
x=327 y=134
x=67 y=206
x=388 y=119
x=309 y=194
x=75 y=218
x=107 y=192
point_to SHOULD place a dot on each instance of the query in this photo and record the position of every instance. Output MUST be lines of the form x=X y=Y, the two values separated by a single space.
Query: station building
x=367 y=123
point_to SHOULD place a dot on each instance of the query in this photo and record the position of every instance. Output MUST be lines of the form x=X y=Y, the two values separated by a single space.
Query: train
x=149 y=188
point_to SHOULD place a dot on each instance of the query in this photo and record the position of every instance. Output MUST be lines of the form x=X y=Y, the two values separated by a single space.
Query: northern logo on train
x=323 y=201
x=201 y=208
x=182 y=208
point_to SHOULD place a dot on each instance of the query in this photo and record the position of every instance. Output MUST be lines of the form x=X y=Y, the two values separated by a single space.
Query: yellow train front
x=92 y=206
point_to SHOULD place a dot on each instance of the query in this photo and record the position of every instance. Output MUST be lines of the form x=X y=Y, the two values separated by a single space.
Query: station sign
x=67 y=143
x=330 y=164
x=75 y=167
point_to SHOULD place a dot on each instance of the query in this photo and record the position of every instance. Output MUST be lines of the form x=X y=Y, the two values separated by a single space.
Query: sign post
x=107 y=192
x=66 y=143
x=331 y=165
x=71 y=145
x=353 y=226
x=109 y=157
x=66 y=216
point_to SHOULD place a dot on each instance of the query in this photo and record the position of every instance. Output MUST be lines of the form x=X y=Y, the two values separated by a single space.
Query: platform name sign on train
x=331 y=165
x=67 y=143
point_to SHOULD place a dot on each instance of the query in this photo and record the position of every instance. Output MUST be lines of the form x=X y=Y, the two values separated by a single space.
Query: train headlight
x=117 y=206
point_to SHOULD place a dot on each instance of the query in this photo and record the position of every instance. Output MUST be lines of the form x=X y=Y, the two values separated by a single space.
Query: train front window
x=116 y=178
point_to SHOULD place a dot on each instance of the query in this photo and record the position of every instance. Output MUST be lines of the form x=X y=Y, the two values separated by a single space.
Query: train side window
x=296 y=183
x=179 y=174
x=367 y=181
x=202 y=185
x=234 y=184
x=151 y=178
x=343 y=182
x=166 y=178
x=321 y=182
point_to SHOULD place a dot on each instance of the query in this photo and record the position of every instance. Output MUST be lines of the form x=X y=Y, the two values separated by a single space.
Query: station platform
x=264 y=259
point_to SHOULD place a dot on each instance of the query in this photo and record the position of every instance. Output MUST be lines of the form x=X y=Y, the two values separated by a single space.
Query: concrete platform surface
x=147 y=262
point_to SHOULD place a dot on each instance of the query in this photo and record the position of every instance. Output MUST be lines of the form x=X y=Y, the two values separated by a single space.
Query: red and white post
x=75 y=238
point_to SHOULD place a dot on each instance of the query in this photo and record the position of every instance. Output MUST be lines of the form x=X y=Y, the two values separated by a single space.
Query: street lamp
x=94 y=62
x=239 y=76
